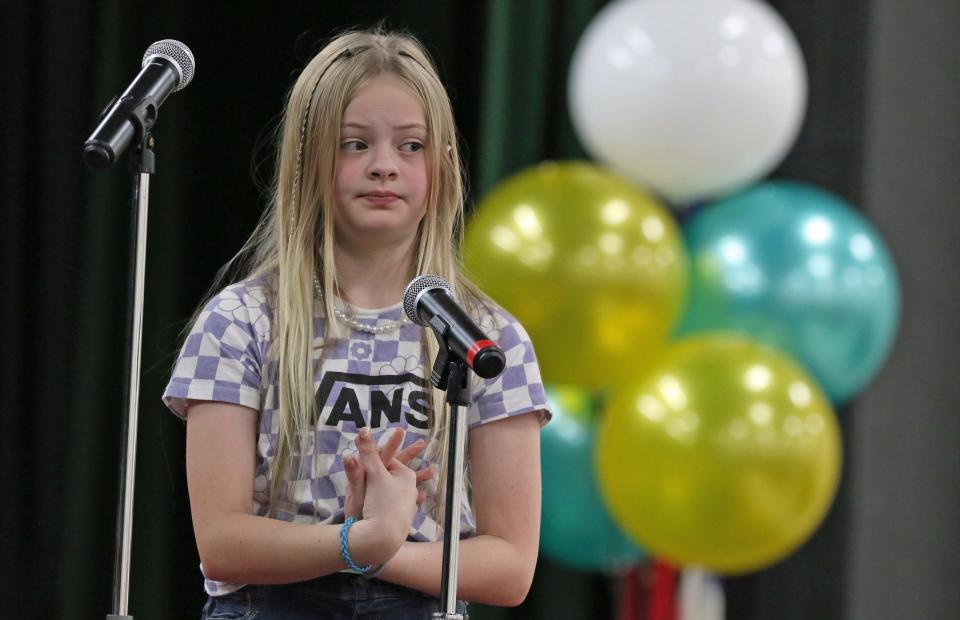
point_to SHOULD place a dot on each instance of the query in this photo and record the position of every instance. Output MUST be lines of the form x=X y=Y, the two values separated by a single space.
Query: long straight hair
x=292 y=245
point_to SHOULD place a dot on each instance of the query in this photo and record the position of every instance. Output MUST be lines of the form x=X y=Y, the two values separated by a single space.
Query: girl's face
x=381 y=177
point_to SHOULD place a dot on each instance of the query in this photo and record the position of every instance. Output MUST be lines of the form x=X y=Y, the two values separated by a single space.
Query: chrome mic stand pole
x=142 y=165
x=457 y=384
x=141 y=115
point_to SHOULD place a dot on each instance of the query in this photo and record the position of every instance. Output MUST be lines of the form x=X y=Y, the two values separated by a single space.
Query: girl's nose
x=383 y=164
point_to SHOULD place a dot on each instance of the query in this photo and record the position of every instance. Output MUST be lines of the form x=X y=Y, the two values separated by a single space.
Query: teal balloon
x=795 y=267
x=576 y=530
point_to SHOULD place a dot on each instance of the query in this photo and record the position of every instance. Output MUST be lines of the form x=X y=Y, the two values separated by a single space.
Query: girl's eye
x=412 y=146
x=353 y=145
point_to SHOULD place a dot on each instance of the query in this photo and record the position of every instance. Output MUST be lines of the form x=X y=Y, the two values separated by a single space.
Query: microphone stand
x=450 y=373
x=142 y=165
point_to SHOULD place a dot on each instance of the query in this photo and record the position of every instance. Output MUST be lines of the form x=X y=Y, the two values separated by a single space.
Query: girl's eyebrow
x=359 y=125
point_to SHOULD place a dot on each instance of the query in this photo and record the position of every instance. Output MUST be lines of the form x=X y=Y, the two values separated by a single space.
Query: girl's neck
x=373 y=277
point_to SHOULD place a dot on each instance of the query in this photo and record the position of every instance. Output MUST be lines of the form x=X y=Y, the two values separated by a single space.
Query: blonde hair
x=292 y=244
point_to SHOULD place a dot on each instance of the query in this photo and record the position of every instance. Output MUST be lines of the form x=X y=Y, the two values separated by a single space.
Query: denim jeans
x=340 y=596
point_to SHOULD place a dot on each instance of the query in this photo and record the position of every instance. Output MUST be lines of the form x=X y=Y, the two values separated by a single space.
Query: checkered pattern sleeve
x=222 y=357
x=518 y=389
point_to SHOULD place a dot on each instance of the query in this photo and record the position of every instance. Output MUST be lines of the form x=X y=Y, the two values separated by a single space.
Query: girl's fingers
x=390 y=455
x=401 y=471
x=369 y=454
x=389 y=450
x=355 y=476
x=421 y=496
x=356 y=487
x=425 y=474
x=405 y=455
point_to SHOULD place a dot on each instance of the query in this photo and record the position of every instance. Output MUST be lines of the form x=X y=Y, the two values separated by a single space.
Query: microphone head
x=178 y=54
x=417 y=287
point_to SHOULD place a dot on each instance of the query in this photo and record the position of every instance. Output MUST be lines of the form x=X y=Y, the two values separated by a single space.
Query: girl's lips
x=380 y=198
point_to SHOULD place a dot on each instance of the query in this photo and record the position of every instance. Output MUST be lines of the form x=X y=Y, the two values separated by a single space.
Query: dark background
x=881 y=130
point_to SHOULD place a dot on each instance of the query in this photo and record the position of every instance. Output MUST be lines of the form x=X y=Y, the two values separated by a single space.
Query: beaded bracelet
x=343 y=548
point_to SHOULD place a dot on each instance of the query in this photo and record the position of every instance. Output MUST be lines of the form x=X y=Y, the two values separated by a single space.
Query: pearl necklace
x=353 y=322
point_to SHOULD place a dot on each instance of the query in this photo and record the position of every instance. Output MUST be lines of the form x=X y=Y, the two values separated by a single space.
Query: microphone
x=429 y=301
x=167 y=67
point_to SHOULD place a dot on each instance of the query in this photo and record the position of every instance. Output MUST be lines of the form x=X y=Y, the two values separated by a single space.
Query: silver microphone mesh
x=418 y=286
x=177 y=53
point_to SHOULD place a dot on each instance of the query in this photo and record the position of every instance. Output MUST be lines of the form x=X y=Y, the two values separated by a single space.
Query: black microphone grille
x=417 y=287
x=177 y=53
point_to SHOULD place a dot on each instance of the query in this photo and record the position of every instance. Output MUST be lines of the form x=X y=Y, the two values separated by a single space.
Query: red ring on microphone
x=476 y=347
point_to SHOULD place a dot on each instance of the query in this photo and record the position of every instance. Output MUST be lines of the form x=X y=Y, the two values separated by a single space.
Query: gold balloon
x=593 y=267
x=725 y=456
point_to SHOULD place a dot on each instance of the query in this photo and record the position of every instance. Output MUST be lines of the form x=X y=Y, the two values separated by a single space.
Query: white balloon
x=692 y=98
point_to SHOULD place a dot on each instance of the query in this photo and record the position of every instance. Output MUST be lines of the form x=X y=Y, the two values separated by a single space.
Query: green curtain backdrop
x=64 y=244
x=529 y=46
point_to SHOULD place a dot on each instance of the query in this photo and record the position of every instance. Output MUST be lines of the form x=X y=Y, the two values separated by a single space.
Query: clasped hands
x=382 y=491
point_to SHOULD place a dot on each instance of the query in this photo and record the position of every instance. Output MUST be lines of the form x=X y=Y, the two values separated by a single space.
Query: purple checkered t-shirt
x=380 y=381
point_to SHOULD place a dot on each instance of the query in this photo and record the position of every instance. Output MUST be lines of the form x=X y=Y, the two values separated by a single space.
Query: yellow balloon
x=592 y=266
x=725 y=456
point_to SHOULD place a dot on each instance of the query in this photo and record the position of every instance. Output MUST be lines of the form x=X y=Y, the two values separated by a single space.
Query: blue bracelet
x=343 y=547
x=376 y=571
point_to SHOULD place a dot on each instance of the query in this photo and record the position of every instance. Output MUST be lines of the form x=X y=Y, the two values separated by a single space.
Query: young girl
x=315 y=442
